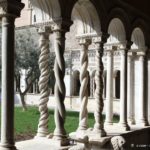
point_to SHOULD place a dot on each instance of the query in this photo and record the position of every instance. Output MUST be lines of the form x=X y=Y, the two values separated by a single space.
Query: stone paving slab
x=47 y=144
x=38 y=144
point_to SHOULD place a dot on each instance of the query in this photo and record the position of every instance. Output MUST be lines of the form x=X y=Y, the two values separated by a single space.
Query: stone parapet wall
x=71 y=103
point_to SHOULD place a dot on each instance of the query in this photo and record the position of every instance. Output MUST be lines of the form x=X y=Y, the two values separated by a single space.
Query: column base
x=123 y=126
x=108 y=123
x=98 y=133
x=131 y=121
x=7 y=147
x=42 y=132
x=142 y=122
x=60 y=140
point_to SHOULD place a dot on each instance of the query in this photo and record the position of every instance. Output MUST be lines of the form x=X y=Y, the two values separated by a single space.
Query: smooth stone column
x=123 y=91
x=44 y=33
x=99 y=124
x=142 y=101
x=109 y=90
x=130 y=96
x=83 y=116
x=7 y=98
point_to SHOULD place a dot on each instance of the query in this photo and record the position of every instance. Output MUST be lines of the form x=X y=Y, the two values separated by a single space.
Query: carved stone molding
x=118 y=142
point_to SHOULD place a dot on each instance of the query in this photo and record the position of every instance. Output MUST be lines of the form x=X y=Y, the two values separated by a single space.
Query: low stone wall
x=71 y=103
x=134 y=140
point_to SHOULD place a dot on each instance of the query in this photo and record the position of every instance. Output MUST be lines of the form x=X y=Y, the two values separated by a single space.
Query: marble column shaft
x=109 y=93
x=8 y=15
x=123 y=91
x=44 y=33
x=130 y=96
x=83 y=116
x=60 y=89
x=142 y=101
x=99 y=124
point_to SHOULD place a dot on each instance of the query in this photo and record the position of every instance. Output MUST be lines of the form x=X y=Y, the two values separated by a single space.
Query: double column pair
x=123 y=88
x=98 y=126
x=59 y=70
x=141 y=120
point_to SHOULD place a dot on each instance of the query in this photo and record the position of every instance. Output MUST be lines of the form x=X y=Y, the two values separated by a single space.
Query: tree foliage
x=26 y=57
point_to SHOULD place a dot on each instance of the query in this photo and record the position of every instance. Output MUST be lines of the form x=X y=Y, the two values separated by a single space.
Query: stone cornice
x=10 y=8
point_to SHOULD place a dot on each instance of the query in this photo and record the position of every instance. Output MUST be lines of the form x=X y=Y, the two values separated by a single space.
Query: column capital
x=100 y=39
x=141 y=57
x=44 y=30
x=131 y=56
x=61 y=25
x=109 y=53
x=10 y=8
x=84 y=41
x=125 y=45
x=123 y=52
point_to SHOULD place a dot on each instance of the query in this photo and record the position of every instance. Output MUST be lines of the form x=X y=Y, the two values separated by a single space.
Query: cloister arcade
x=121 y=61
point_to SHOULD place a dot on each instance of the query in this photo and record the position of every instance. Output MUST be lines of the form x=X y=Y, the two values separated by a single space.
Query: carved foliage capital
x=10 y=8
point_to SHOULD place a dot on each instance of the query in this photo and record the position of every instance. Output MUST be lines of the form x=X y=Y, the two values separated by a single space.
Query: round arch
x=47 y=10
x=142 y=26
x=117 y=31
x=87 y=22
x=138 y=39
x=120 y=14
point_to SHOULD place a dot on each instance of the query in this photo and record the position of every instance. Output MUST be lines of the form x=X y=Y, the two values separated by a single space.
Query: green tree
x=26 y=56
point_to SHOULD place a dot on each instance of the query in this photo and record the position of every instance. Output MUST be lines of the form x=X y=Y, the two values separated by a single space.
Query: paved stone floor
x=46 y=144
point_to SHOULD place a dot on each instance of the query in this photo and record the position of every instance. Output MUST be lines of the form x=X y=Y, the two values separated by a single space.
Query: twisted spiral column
x=60 y=90
x=98 y=126
x=43 y=82
x=84 y=82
